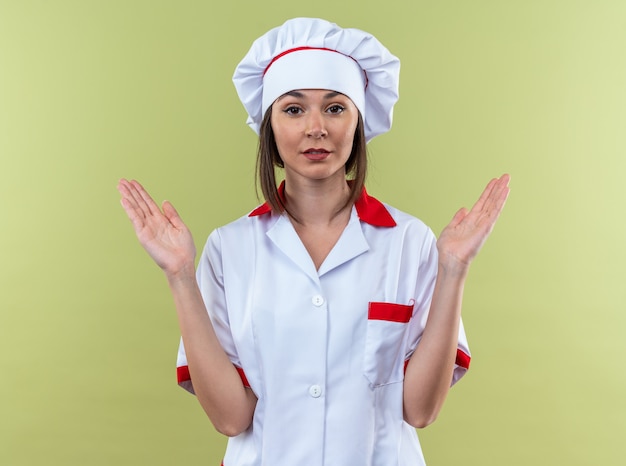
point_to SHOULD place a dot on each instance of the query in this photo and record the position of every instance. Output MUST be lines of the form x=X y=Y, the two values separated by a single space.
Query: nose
x=316 y=127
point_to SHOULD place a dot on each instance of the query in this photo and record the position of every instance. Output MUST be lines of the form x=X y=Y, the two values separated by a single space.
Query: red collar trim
x=369 y=209
x=372 y=211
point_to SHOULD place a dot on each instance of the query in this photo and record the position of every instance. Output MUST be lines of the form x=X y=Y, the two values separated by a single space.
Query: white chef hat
x=310 y=53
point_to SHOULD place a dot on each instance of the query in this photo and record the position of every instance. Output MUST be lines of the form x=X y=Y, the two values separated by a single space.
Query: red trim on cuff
x=462 y=359
x=182 y=374
x=244 y=379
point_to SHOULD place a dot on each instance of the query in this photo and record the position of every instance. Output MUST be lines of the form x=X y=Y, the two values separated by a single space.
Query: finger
x=504 y=191
x=500 y=194
x=128 y=199
x=484 y=197
x=143 y=199
x=492 y=200
x=135 y=201
x=172 y=215
x=501 y=187
x=123 y=187
x=135 y=216
x=494 y=205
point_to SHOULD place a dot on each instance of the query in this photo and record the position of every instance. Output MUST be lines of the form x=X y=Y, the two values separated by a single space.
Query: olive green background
x=91 y=91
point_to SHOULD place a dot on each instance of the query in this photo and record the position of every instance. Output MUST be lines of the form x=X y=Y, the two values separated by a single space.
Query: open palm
x=162 y=233
x=461 y=240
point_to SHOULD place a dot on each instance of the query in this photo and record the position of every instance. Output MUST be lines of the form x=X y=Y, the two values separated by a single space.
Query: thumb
x=172 y=215
x=458 y=217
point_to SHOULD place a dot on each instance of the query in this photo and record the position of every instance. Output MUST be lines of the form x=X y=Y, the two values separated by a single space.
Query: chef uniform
x=323 y=350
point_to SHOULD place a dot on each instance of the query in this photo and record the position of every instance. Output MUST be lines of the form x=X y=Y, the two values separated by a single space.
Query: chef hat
x=309 y=53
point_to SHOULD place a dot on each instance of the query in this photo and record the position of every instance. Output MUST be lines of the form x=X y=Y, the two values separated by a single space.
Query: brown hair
x=268 y=158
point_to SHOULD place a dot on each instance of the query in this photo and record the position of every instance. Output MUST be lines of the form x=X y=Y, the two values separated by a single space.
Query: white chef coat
x=323 y=350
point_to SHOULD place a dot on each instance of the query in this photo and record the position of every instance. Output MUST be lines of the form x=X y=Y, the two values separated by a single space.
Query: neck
x=317 y=202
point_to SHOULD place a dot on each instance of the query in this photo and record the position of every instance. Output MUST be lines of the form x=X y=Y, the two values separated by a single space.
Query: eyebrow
x=300 y=95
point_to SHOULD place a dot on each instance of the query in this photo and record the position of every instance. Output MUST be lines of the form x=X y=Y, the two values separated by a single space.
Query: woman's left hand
x=462 y=239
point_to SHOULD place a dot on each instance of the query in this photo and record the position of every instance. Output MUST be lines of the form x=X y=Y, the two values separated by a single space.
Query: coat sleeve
x=211 y=282
x=425 y=284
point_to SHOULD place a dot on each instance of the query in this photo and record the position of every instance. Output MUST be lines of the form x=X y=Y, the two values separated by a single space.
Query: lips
x=316 y=154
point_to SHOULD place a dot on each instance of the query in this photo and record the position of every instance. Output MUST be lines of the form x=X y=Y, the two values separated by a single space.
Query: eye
x=292 y=110
x=335 y=109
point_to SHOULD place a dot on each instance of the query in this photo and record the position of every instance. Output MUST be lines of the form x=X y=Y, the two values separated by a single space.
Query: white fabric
x=314 y=69
x=329 y=381
x=379 y=66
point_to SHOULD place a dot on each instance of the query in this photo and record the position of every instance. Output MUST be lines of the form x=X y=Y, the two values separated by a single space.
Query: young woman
x=322 y=327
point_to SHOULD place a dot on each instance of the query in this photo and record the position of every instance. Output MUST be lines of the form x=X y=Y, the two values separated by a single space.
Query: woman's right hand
x=162 y=233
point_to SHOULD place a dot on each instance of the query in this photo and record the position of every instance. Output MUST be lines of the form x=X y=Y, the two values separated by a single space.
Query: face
x=314 y=132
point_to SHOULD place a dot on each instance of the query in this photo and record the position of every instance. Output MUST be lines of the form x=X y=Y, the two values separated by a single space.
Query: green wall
x=91 y=91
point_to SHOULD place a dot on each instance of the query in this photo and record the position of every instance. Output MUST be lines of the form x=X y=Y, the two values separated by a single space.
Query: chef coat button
x=315 y=391
x=317 y=300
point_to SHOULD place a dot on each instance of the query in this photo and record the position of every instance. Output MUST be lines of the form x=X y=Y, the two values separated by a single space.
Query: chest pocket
x=384 y=343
